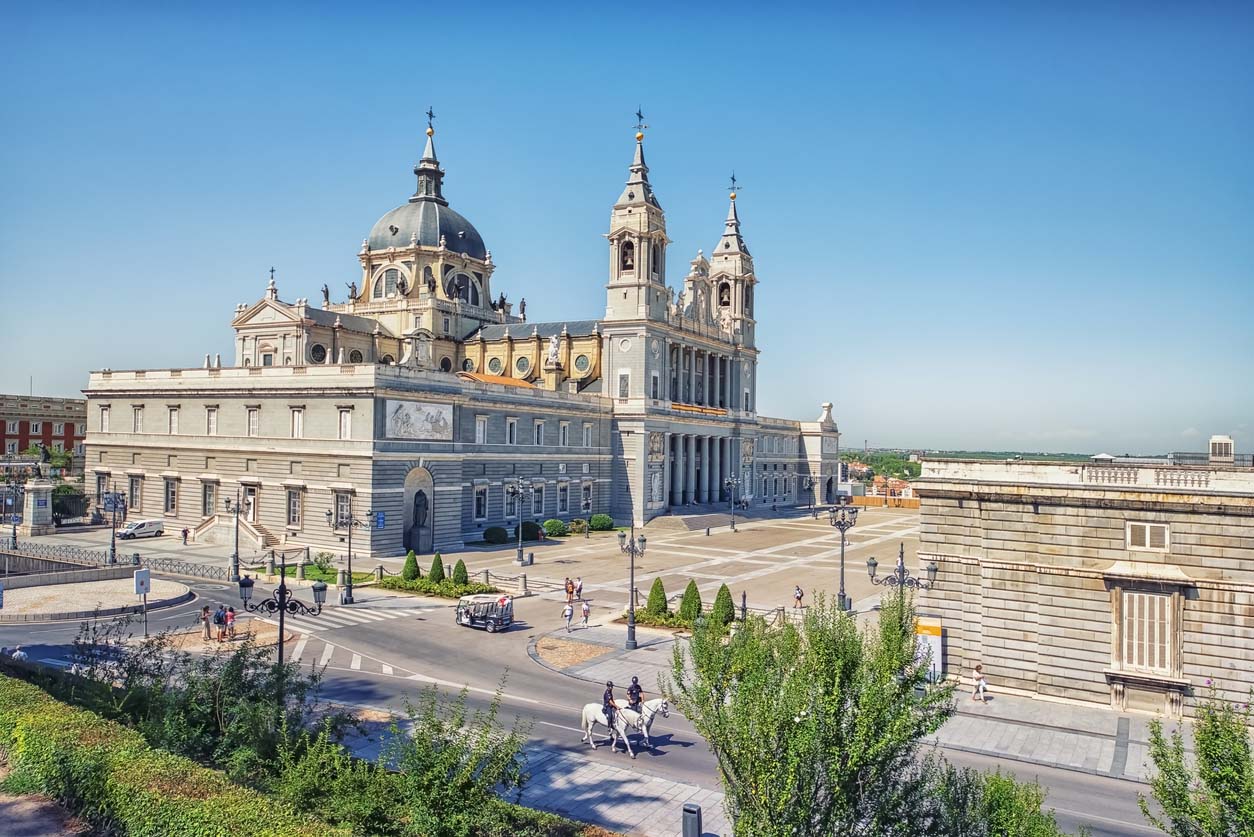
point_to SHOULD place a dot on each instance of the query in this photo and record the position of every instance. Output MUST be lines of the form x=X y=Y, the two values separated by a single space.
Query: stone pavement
x=1089 y=739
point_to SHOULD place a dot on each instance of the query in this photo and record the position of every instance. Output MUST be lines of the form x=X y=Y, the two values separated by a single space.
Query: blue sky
x=977 y=227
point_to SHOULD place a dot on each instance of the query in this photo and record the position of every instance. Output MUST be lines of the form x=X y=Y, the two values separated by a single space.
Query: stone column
x=690 y=466
x=666 y=469
x=708 y=475
x=714 y=393
x=677 y=484
x=692 y=376
x=698 y=490
x=716 y=470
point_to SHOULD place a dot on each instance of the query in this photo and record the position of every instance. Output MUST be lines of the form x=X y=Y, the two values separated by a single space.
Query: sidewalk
x=1072 y=737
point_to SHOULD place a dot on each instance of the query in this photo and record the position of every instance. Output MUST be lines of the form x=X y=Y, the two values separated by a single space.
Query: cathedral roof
x=521 y=331
x=353 y=322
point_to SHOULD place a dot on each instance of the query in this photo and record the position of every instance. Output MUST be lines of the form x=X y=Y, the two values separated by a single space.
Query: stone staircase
x=220 y=529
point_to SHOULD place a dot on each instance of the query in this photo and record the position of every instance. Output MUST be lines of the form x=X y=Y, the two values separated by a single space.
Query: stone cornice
x=1044 y=496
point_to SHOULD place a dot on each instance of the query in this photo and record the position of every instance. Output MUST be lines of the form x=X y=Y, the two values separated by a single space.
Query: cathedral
x=427 y=407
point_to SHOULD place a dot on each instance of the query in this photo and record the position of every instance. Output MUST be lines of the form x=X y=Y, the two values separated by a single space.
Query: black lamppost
x=901 y=578
x=517 y=489
x=631 y=547
x=13 y=511
x=281 y=601
x=732 y=483
x=113 y=500
x=586 y=507
x=809 y=484
x=235 y=508
x=843 y=517
x=347 y=521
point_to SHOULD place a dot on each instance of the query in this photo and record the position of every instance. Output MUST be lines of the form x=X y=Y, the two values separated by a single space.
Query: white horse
x=643 y=720
x=594 y=714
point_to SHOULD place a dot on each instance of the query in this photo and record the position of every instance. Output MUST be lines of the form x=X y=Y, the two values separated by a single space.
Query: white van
x=142 y=529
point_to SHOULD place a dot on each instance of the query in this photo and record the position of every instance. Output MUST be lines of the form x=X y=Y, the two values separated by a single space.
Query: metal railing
x=174 y=566
x=1240 y=460
x=57 y=552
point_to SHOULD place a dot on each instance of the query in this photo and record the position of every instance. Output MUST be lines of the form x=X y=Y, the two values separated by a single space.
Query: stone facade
x=1128 y=583
x=646 y=412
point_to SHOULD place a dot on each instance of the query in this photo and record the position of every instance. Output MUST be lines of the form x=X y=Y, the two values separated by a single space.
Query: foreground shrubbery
x=447 y=589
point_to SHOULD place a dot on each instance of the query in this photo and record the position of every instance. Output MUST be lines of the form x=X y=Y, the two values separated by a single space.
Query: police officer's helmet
x=609 y=684
x=635 y=681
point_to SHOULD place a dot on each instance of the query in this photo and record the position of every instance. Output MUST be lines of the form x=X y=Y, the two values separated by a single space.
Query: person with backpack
x=219 y=623
x=797 y=593
x=186 y=532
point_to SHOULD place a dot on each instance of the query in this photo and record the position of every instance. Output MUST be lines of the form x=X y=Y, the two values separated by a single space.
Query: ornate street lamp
x=843 y=517
x=808 y=484
x=733 y=484
x=901 y=577
x=281 y=601
x=347 y=521
x=631 y=547
x=517 y=489
x=235 y=508
x=586 y=507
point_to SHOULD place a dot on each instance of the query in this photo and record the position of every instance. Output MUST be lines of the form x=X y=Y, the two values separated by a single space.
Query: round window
x=494 y=366
x=522 y=365
x=446 y=364
x=468 y=365
x=624 y=345
x=582 y=363
x=318 y=353
x=354 y=356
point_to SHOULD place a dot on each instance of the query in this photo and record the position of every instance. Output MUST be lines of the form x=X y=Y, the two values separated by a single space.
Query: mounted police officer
x=607 y=703
x=634 y=695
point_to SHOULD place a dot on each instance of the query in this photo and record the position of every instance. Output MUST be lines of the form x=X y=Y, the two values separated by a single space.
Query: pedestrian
x=797 y=593
x=570 y=590
x=185 y=534
x=204 y=623
x=230 y=622
x=568 y=613
x=981 y=684
x=585 y=610
x=219 y=623
x=19 y=654
x=579 y=587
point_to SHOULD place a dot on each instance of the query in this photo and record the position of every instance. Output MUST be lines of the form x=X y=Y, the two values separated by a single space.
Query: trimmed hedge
x=578 y=526
x=107 y=773
x=724 y=610
x=447 y=589
x=555 y=528
x=495 y=535
x=656 y=605
x=690 y=604
x=530 y=531
x=410 y=571
x=436 y=573
x=601 y=522
x=459 y=573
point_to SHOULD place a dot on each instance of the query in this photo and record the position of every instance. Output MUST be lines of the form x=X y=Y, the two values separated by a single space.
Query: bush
x=578 y=526
x=496 y=534
x=410 y=571
x=656 y=605
x=601 y=522
x=690 y=604
x=436 y=575
x=459 y=573
x=324 y=561
x=446 y=589
x=107 y=772
x=724 y=611
x=530 y=531
x=555 y=528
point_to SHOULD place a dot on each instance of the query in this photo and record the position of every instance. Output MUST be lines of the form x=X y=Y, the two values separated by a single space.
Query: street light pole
x=350 y=523
x=901 y=578
x=732 y=483
x=113 y=530
x=233 y=574
x=517 y=489
x=631 y=547
x=843 y=518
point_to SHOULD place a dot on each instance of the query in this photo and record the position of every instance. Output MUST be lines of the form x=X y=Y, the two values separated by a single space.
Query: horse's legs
x=626 y=739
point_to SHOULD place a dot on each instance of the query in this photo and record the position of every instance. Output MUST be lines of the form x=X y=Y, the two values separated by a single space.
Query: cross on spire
x=430 y=116
x=640 y=126
x=271 y=274
x=733 y=187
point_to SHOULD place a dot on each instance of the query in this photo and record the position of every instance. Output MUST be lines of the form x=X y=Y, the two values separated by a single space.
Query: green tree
x=410 y=571
x=1216 y=797
x=723 y=611
x=961 y=802
x=459 y=573
x=690 y=604
x=656 y=605
x=436 y=574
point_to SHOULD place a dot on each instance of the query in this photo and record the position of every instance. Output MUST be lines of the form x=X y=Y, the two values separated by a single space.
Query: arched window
x=354 y=356
x=629 y=256
x=446 y=364
x=724 y=295
x=474 y=293
x=385 y=285
x=748 y=300
x=387 y=360
x=377 y=292
x=458 y=287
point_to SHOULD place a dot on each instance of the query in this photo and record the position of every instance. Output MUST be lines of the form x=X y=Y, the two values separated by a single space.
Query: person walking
x=230 y=623
x=185 y=534
x=797 y=594
x=585 y=610
x=570 y=590
x=980 y=683
x=219 y=623
x=18 y=654
x=568 y=613
x=579 y=587
x=205 y=619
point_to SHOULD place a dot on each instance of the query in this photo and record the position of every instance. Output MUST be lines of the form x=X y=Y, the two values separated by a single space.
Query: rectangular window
x=58 y=429
x=653 y=386
x=746 y=406
x=1147 y=632
x=481 y=430
x=563 y=433
x=298 y=424
x=36 y=427
x=11 y=427
x=587 y=435
x=1151 y=537
x=538 y=437
x=211 y=421
x=447 y=325
x=135 y=493
x=267 y=359
x=137 y=419
x=481 y=502
x=254 y=419
x=511 y=431
x=171 y=496
x=343 y=506
x=102 y=487
x=80 y=429
x=174 y=421
x=10 y=448
x=624 y=385
x=346 y=424
x=208 y=499
x=295 y=500
x=585 y=504
x=537 y=500
x=563 y=498
x=104 y=419
x=511 y=504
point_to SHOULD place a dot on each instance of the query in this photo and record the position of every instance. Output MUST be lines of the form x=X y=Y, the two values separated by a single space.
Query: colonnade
x=700 y=377
x=696 y=466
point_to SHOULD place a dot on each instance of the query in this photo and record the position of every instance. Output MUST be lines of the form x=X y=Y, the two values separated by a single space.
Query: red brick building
x=60 y=423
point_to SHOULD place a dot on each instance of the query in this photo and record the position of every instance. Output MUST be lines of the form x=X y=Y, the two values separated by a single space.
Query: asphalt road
x=379 y=664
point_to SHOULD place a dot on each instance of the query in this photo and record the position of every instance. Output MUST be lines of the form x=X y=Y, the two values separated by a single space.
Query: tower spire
x=638 y=190
x=430 y=175
x=731 y=243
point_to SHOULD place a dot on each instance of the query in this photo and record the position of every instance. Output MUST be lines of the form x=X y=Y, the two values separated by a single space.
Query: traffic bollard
x=692 y=820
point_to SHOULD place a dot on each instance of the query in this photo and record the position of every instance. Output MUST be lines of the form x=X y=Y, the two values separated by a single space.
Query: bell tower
x=637 y=239
x=732 y=278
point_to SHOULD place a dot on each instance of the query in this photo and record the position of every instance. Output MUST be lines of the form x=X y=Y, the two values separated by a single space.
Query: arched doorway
x=419 y=511
x=831 y=491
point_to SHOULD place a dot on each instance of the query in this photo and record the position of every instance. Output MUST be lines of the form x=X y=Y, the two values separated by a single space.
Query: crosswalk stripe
x=353 y=616
x=326 y=654
x=300 y=649
x=355 y=665
x=387 y=669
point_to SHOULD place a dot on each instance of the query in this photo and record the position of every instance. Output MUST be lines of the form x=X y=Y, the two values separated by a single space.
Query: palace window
x=298 y=423
x=563 y=498
x=10 y=447
x=171 y=496
x=104 y=421
x=267 y=359
x=346 y=424
x=585 y=504
x=511 y=431
x=481 y=430
x=102 y=487
x=135 y=493
x=537 y=500
x=1151 y=537
x=538 y=438
x=211 y=421
x=563 y=433
x=1147 y=632
x=355 y=356
x=208 y=499
x=653 y=386
x=318 y=353
x=137 y=419
x=624 y=385
x=511 y=504
x=11 y=427
x=254 y=420
x=174 y=421
x=36 y=427
x=587 y=435
x=481 y=502
x=343 y=506
x=295 y=505
x=58 y=429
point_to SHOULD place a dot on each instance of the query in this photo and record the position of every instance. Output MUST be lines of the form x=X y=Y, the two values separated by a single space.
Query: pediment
x=266 y=312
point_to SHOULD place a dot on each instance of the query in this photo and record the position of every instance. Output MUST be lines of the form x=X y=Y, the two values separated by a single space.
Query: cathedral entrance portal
x=419 y=517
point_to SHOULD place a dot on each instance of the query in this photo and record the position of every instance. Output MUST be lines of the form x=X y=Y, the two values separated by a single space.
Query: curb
x=535 y=655
x=183 y=598
x=1092 y=771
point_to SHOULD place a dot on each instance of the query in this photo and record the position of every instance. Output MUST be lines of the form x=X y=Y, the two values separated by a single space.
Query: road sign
x=928 y=644
x=114 y=501
x=143 y=582
x=378 y=520
x=41 y=502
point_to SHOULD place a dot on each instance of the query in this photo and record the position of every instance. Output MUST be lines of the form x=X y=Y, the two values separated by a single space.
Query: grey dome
x=430 y=220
